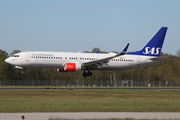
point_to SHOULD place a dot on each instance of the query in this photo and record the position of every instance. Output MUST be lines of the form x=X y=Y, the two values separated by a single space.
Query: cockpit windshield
x=16 y=55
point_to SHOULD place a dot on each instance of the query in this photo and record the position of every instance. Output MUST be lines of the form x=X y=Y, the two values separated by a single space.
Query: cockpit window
x=16 y=55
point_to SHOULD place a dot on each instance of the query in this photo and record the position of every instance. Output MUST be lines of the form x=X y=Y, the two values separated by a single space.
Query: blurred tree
x=3 y=65
x=3 y=54
x=86 y=51
x=95 y=49
x=14 y=52
x=178 y=53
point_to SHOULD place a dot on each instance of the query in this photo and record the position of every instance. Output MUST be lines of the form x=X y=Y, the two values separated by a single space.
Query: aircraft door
x=27 y=56
x=138 y=61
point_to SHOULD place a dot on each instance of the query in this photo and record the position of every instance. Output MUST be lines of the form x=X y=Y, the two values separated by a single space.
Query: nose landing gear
x=85 y=74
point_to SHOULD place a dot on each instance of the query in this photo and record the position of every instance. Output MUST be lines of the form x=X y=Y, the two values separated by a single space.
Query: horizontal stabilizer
x=161 y=57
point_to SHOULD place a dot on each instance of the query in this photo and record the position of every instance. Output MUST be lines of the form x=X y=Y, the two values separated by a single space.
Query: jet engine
x=70 y=67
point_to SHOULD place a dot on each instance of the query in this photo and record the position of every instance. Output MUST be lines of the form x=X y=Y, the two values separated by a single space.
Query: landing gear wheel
x=84 y=74
x=87 y=74
x=22 y=71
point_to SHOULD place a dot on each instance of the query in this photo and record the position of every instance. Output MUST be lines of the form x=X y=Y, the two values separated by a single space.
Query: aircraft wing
x=98 y=63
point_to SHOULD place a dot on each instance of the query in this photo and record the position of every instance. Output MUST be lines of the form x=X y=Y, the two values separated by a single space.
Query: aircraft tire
x=89 y=73
x=84 y=74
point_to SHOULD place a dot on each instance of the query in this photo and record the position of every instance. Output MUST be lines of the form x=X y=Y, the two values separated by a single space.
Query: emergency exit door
x=27 y=57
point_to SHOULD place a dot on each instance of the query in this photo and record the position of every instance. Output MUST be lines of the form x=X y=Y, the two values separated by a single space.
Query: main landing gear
x=85 y=74
x=22 y=71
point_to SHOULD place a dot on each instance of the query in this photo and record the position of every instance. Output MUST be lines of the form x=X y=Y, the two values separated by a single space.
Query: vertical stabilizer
x=154 y=46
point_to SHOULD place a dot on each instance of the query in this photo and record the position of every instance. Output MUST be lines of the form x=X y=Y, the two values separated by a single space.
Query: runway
x=91 y=115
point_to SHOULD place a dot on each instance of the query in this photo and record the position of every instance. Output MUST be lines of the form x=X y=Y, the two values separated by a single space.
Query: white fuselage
x=40 y=59
x=70 y=62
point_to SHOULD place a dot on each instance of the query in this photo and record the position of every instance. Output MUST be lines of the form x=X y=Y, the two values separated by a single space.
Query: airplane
x=72 y=62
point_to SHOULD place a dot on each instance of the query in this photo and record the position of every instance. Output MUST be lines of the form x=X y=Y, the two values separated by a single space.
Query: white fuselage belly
x=58 y=59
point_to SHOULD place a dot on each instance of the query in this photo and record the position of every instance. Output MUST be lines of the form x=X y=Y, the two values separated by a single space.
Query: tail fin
x=154 y=46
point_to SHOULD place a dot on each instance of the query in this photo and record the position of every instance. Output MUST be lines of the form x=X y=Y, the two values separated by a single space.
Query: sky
x=81 y=25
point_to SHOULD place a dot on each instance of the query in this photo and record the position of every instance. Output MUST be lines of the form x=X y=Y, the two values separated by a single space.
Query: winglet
x=124 y=50
x=97 y=51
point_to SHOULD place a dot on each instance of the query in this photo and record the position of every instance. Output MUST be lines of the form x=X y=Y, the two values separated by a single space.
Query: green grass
x=89 y=100
x=83 y=87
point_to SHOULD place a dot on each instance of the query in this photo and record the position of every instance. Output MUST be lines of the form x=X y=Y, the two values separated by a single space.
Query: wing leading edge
x=98 y=63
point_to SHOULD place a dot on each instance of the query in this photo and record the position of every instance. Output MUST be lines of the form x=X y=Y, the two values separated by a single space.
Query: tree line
x=167 y=70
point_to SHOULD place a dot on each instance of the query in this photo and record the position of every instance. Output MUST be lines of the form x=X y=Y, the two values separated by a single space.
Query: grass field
x=26 y=87
x=89 y=100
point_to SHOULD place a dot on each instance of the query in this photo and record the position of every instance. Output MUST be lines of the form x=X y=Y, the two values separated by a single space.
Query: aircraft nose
x=8 y=60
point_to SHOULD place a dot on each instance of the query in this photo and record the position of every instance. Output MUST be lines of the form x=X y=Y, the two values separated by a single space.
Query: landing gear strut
x=85 y=74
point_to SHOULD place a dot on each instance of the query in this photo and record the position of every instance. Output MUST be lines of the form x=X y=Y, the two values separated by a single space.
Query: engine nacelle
x=70 y=67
